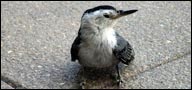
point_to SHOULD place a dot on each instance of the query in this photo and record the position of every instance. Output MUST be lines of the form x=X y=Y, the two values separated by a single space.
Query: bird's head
x=103 y=16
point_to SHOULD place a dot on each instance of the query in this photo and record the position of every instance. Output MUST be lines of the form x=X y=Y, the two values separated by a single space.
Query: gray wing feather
x=123 y=50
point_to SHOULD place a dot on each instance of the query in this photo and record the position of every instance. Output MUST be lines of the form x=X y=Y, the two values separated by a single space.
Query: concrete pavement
x=36 y=38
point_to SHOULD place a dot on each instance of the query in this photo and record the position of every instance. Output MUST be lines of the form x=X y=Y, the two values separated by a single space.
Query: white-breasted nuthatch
x=98 y=44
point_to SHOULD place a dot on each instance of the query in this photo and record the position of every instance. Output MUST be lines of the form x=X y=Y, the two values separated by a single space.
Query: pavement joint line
x=12 y=83
x=148 y=67
x=176 y=57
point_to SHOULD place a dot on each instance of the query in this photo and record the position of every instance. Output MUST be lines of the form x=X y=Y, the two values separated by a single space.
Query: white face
x=100 y=18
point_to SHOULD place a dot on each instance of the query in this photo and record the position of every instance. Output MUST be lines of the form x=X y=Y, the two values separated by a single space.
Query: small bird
x=97 y=44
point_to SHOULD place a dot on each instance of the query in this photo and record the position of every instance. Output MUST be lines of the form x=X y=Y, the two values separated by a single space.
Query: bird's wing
x=75 y=48
x=123 y=51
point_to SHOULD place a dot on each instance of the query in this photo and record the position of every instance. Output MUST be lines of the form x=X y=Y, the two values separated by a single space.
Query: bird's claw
x=82 y=84
x=119 y=82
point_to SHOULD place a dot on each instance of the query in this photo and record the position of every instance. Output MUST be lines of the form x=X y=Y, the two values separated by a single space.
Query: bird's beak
x=121 y=13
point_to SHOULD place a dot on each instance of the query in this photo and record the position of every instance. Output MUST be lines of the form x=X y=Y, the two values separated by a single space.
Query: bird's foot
x=119 y=81
x=82 y=84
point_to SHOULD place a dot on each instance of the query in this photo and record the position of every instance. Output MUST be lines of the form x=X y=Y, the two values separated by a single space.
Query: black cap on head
x=107 y=7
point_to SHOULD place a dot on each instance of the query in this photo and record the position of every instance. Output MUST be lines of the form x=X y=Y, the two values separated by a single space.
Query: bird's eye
x=105 y=15
x=120 y=11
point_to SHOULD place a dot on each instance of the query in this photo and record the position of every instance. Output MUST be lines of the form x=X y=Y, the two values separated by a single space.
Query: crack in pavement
x=12 y=83
x=148 y=67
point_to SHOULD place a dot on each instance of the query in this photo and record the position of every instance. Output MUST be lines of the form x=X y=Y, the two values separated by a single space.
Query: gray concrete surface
x=174 y=75
x=5 y=85
x=36 y=38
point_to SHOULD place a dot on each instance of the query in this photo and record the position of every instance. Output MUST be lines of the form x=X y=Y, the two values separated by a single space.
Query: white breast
x=97 y=50
x=109 y=37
